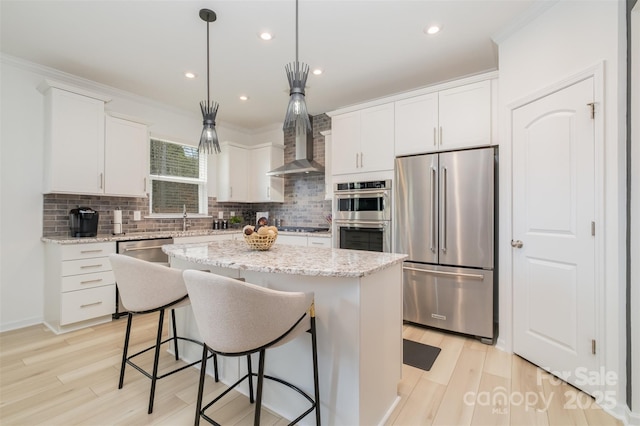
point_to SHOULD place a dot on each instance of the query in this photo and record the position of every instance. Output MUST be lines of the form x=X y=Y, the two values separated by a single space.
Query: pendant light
x=297 y=115
x=209 y=138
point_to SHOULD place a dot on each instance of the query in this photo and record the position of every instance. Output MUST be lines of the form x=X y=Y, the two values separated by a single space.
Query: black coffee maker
x=83 y=222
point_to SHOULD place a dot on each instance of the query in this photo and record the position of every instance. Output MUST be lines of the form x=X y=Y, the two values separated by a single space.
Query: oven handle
x=381 y=192
x=453 y=274
x=380 y=225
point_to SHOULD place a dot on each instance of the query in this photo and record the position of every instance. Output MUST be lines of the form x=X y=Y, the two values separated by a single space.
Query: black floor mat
x=419 y=355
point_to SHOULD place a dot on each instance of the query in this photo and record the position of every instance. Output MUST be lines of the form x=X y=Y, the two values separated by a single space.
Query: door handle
x=516 y=243
x=444 y=210
x=433 y=209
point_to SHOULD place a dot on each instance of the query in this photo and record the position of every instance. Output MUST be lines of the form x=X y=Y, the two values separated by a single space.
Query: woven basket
x=260 y=242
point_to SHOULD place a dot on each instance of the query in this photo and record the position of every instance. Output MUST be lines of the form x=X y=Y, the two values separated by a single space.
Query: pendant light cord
x=296 y=33
x=208 y=90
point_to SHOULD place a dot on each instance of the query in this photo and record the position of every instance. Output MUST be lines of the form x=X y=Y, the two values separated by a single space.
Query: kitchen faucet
x=185 y=225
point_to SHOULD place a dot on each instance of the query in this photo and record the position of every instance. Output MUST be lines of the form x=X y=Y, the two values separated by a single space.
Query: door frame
x=505 y=340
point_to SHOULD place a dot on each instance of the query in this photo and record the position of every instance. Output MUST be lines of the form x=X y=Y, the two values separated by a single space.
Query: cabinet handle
x=91 y=281
x=91 y=304
x=356 y=160
x=440 y=138
x=435 y=137
x=101 y=180
x=91 y=266
x=361 y=160
x=144 y=185
x=315 y=243
x=231 y=192
x=91 y=251
x=268 y=192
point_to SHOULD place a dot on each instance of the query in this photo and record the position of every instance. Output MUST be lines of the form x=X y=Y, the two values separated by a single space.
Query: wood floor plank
x=421 y=409
x=527 y=394
x=466 y=377
x=445 y=364
x=491 y=401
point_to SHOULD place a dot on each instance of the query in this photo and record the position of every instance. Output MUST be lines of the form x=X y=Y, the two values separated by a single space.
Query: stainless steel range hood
x=303 y=164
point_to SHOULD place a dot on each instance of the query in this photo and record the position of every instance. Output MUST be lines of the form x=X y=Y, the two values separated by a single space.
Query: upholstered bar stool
x=147 y=287
x=237 y=318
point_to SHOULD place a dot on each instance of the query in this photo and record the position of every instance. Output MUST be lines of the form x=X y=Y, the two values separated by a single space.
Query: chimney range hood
x=303 y=164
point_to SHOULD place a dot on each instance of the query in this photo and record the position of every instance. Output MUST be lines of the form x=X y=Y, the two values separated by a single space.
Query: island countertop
x=286 y=259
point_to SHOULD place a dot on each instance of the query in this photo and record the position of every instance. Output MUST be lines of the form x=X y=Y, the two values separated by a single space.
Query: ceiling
x=367 y=49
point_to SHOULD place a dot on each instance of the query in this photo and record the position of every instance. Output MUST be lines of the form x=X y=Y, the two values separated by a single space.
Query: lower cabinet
x=80 y=288
x=303 y=240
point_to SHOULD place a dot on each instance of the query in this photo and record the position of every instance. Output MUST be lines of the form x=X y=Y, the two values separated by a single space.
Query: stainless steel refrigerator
x=444 y=220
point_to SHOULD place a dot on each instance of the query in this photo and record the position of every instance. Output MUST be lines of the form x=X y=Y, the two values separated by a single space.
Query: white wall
x=21 y=157
x=566 y=39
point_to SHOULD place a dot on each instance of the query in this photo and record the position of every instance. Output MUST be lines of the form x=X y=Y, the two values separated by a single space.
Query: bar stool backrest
x=235 y=317
x=146 y=285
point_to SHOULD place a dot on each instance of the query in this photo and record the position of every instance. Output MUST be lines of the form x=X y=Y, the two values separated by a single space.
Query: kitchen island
x=358 y=302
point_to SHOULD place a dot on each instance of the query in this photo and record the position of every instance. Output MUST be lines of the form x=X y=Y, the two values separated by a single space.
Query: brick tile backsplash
x=304 y=203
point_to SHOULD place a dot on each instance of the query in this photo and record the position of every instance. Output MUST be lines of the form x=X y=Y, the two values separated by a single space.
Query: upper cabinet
x=241 y=173
x=74 y=141
x=362 y=141
x=454 y=118
x=263 y=188
x=126 y=163
x=88 y=152
x=233 y=173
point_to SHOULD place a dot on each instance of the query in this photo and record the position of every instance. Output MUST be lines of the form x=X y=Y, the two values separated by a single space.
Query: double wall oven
x=362 y=215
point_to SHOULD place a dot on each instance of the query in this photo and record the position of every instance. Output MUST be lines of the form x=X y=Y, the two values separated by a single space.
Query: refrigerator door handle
x=455 y=274
x=444 y=210
x=433 y=209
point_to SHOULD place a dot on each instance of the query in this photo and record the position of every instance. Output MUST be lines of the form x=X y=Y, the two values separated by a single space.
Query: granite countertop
x=296 y=260
x=103 y=238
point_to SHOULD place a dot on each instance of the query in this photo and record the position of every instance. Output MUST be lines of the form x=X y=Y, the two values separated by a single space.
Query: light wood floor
x=71 y=379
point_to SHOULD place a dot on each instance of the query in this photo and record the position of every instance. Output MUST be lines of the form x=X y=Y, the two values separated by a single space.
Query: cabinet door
x=345 y=152
x=292 y=240
x=126 y=158
x=263 y=188
x=465 y=116
x=376 y=141
x=232 y=174
x=74 y=149
x=416 y=125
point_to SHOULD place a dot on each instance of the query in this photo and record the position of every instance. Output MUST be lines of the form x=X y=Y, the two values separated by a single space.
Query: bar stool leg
x=154 y=376
x=175 y=334
x=203 y=372
x=314 y=347
x=250 y=373
x=256 y=418
x=125 y=350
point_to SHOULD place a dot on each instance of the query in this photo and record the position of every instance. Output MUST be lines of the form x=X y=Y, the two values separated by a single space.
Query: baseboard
x=20 y=324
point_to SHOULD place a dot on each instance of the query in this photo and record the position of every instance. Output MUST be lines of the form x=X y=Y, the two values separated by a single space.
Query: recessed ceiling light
x=265 y=35
x=317 y=71
x=244 y=98
x=432 y=29
x=189 y=74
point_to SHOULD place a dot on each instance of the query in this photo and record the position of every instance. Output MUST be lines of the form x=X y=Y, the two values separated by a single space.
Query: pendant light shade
x=209 y=137
x=297 y=72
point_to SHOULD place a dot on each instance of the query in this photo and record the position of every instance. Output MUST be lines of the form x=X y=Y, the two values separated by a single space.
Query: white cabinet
x=74 y=141
x=80 y=288
x=242 y=172
x=459 y=117
x=363 y=141
x=126 y=163
x=263 y=188
x=318 y=242
x=87 y=152
x=233 y=173
x=328 y=181
x=292 y=240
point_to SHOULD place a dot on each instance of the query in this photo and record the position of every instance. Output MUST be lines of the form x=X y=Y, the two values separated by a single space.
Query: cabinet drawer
x=85 y=266
x=85 y=251
x=84 y=281
x=319 y=242
x=82 y=305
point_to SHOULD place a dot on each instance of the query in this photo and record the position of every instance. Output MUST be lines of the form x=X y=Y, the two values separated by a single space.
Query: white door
x=553 y=209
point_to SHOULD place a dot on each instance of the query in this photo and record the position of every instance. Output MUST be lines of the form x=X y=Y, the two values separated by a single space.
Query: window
x=178 y=178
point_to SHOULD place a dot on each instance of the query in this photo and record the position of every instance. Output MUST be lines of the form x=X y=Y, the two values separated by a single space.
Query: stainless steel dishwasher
x=149 y=250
